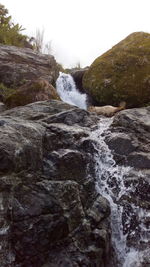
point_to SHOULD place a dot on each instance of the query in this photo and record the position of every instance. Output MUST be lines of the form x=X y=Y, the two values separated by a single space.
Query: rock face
x=77 y=76
x=37 y=90
x=19 y=65
x=51 y=213
x=122 y=73
x=129 y=141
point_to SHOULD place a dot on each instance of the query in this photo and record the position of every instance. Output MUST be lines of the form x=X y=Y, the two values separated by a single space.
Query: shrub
x=10 y=33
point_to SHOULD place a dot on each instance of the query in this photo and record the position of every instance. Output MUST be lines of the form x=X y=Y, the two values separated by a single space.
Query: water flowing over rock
x=19 y=65
x=71 y=191
x=68 y=92
x=123 y=178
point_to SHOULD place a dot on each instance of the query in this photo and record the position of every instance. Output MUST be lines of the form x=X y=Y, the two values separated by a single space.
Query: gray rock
x=38 y=110
x=19 y=65
x=50 y=211
x=46 y=191
x=129 y=141
x=2 y=107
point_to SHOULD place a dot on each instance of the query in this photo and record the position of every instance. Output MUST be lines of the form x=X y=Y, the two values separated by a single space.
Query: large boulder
x=33 y=91
x=51 y=213
x=122 y=73
x=19 y=65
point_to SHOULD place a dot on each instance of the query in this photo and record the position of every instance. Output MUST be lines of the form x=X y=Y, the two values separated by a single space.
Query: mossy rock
x=5 y=92
x=122 y=73
x=38 y=90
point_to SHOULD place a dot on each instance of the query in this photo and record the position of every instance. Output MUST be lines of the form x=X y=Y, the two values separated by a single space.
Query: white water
x=110 y=184
x=68 y=92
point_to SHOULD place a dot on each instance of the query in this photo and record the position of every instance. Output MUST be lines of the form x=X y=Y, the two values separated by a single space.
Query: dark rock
x=19 y=65
x=38 y=110
x=20 y=141
x=128 y=139
x=77 y=76
x=46 y=191
x=51 y=213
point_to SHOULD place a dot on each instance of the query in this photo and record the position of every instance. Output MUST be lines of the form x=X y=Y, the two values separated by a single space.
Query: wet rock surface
x=129 y=141
x=48 y=200
x=51 y=213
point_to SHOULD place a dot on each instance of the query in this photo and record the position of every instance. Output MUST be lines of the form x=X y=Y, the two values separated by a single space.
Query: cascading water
x=68 y=92
x=127 y=218
x=111 y=184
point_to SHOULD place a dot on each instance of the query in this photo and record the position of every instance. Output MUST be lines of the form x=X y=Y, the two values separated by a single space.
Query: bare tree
x=39 y=45
x=48 y=48
x=39 y=40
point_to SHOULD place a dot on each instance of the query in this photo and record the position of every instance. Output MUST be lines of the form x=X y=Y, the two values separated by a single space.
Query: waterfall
x=111 y=184
x=68 y=92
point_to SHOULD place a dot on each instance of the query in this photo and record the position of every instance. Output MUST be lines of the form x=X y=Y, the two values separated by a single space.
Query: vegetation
x=10 y=33
x=122 y=73
x=39 y=45
x=5 y=92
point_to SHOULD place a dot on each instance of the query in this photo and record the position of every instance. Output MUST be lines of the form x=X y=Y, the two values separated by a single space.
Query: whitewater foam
x=110 y=184
x=68 y=92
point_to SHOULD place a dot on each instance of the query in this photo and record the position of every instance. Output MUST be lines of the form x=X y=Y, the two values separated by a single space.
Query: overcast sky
x=81 y=30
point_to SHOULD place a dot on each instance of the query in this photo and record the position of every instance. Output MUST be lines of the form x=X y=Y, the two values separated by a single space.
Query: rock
x=20 y=141
x=122 y=73
x=129 y=141
x=20 y=65
x=37 y=90
x=77 y=75
x=38 y=110
x=130 y=138
x=2 y=107
x=48 y=200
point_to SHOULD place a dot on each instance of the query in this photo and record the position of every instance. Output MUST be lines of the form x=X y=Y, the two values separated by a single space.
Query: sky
x=80 y=30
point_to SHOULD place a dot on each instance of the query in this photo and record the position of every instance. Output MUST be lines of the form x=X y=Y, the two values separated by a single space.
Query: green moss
x=31 y=92
x=122 y=73
x=5 y=91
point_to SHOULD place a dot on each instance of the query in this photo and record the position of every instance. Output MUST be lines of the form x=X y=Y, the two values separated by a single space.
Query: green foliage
x=10 y=33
